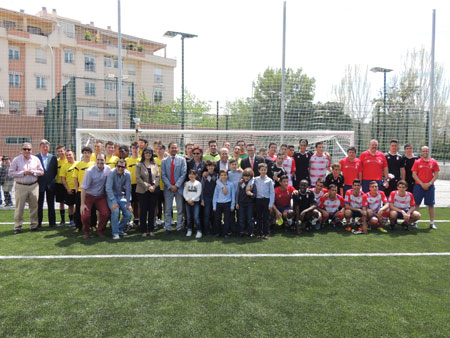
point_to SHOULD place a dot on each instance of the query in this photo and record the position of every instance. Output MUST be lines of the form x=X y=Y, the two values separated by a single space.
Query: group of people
x=224 y=192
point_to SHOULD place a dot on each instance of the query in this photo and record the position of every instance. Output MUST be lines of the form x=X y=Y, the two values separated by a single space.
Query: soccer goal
x=336 y=142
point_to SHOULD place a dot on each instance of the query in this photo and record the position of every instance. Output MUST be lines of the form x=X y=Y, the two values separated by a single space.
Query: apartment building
x=40 y=53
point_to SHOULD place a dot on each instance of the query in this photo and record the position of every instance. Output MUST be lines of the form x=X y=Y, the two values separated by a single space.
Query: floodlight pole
x=283 y=73
x=430 y=116
x=172 y=34
x=119 y=46
x=384 y=71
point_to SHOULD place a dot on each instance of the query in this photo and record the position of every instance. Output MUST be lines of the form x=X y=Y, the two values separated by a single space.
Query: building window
x=157 y=94
x=92 y=111
x=9 y=24
x=68 y=57
x=130 y=90
x=41 y=83
x=17 y=140
x=89 y=64
x=131 y=69
x=15 y=107
x=40 y=106
x=116 y=63
x=14 y=81
x=34 y=30
x=110 y=85
x=68 y=29
x=41 y=56
x=89 y=88
x=14 y=53
x=158 y=75
x=112 y=112
x=107 y=61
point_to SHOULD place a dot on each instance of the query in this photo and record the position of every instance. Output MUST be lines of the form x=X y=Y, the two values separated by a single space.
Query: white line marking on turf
x=423 y=221
x=387 y=254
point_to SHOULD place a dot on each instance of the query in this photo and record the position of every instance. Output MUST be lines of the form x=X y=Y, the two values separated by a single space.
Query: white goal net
x=336 y=142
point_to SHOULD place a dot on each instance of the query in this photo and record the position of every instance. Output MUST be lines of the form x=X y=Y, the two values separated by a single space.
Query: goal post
x=336 y=142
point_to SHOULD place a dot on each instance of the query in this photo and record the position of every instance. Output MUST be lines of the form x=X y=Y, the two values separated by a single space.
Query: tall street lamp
x=384 y=71
x=171 y=34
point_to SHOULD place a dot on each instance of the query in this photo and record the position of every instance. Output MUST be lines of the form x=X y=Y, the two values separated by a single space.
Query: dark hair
x=407 y=145
x=88 y=149
x=335 y=165
x=211 y=141
x=121 y=160
x=284 y=177
x=262 y=165
x=150 y=151
x=284 y=145
x=351 y=148
x=123 y=148
x=143 y=140
x=233 y=160
x=192 y=172
x=373 y=182
x=109 y=143
x=210 y=163
x=332 y=186
x=222 y=171
x=100 y=154
x=171 y=143
x=318 y=143
x=320 y=180
x=402 y=182
x=393 y=141
x=290 y=146
x=248 y=172
x=60 y=146
x=272 y=144
x=303 y=140
x=356 y=180
x=134 y=144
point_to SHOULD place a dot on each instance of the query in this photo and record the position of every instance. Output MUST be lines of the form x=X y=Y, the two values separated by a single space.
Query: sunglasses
x=121 y=167
x=196 y=154
x=26 y=149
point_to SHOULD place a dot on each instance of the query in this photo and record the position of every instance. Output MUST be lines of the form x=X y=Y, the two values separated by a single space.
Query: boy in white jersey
x=332 y=206
x=356 y=206
x=288 y=163
x=401 y=204
x=377 y=208
x=318 y=164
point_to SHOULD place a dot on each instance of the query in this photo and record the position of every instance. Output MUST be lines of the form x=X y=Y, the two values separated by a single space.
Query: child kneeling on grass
x=401 y=204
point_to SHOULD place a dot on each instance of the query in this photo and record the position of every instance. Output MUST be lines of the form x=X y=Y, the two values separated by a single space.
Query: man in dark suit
x=253 y=161
x=47 y=183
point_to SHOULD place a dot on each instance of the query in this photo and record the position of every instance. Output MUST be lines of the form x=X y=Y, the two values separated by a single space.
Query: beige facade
x=80 y=50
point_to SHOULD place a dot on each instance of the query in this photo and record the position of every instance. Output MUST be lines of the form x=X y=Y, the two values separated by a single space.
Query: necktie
x=251 y=162
x=172 y=172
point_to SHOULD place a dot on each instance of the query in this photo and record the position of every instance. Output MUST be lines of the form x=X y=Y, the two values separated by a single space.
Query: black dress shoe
x=167 y=232
x=52 y=225
x=18 y=231
x=36 y=229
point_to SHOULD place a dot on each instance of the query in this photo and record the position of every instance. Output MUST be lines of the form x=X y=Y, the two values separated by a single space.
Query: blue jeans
x=117 y=226
x=207 y=209
x=168 y=200
x=193 y=216
x=246 y=216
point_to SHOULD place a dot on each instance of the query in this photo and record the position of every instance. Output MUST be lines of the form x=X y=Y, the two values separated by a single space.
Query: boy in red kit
x=377 y=207
x=332 y=207
x=401 y=204
x=283 y=195
x=350 y=167
x=356 y=206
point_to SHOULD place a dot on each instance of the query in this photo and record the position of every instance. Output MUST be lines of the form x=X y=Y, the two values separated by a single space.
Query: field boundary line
x=274 y=255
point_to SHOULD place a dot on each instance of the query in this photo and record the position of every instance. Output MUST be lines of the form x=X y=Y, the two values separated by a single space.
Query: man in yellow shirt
x=78 y=175
x=131 y=166
x=98 y=147
x=111 y=159
x=67 y=179
x=60 y=192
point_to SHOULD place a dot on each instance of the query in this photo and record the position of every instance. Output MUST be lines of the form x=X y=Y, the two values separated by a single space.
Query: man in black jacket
x=253 y=161
x=47 y=183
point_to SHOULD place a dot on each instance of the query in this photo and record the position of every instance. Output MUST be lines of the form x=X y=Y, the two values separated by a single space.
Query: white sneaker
x=116 y=237
x=159 y=222
x=199 y=234
x=189 y=233
x=433 y=226
x=415 y=225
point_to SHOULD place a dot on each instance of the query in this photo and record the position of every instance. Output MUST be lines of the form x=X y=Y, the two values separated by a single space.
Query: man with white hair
x=26 y=169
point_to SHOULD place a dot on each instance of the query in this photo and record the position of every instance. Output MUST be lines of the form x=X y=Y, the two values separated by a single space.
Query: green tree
x=299 y=94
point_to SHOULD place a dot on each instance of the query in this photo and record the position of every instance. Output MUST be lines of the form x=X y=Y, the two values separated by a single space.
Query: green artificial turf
x=225 y=297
